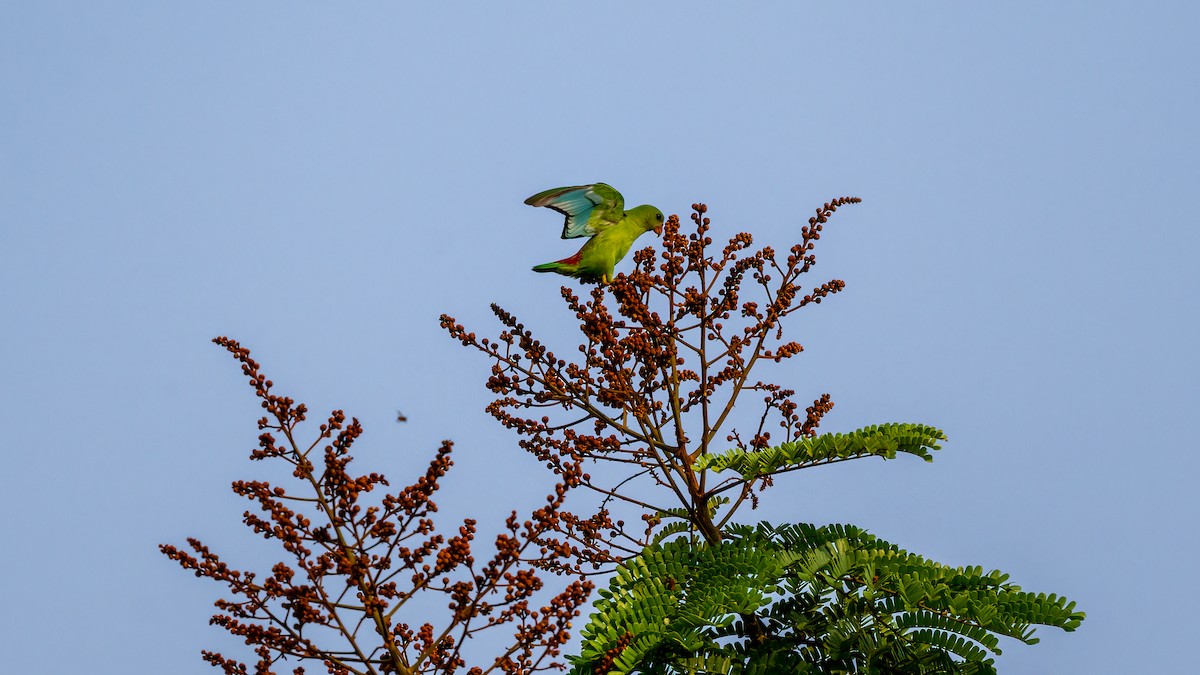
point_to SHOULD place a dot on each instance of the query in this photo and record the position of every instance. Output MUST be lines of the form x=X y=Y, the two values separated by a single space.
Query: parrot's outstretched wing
x=588 y=208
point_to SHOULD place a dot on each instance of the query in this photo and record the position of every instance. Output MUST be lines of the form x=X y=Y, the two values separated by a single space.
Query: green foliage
x=666 y=604
x=831 y=599
x=877 y=606
x=883 y=440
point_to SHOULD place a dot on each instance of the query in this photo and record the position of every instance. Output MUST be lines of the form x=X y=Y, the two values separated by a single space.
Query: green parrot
x=596 y=211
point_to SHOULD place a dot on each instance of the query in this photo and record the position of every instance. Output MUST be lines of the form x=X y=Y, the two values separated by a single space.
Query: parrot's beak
x=658 y=230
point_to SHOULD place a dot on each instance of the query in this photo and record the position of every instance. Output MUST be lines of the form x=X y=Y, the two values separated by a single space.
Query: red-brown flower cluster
x=339 y=600
x=666 y=352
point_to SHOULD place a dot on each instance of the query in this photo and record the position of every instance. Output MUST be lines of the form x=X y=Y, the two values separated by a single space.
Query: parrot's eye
x=658 y=216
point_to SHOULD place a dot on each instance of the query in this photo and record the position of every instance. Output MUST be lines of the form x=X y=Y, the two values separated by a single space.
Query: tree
x=643 y=420
x=658 y=434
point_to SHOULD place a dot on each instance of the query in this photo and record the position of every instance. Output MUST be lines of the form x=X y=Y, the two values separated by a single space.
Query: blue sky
x=321 y=182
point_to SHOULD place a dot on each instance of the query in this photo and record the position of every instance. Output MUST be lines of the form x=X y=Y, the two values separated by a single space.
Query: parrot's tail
x=567 y=266
x=555 y=267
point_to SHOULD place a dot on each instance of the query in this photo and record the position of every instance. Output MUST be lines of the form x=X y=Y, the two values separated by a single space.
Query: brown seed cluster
x=606 y=663
x=354 y=563
x=814 y=414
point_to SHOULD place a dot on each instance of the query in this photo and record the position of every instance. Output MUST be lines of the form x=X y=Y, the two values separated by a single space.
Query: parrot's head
x=650 y=218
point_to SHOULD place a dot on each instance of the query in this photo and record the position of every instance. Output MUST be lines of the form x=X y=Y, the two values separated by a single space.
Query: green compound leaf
x=883 y=440
x=664 y=603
